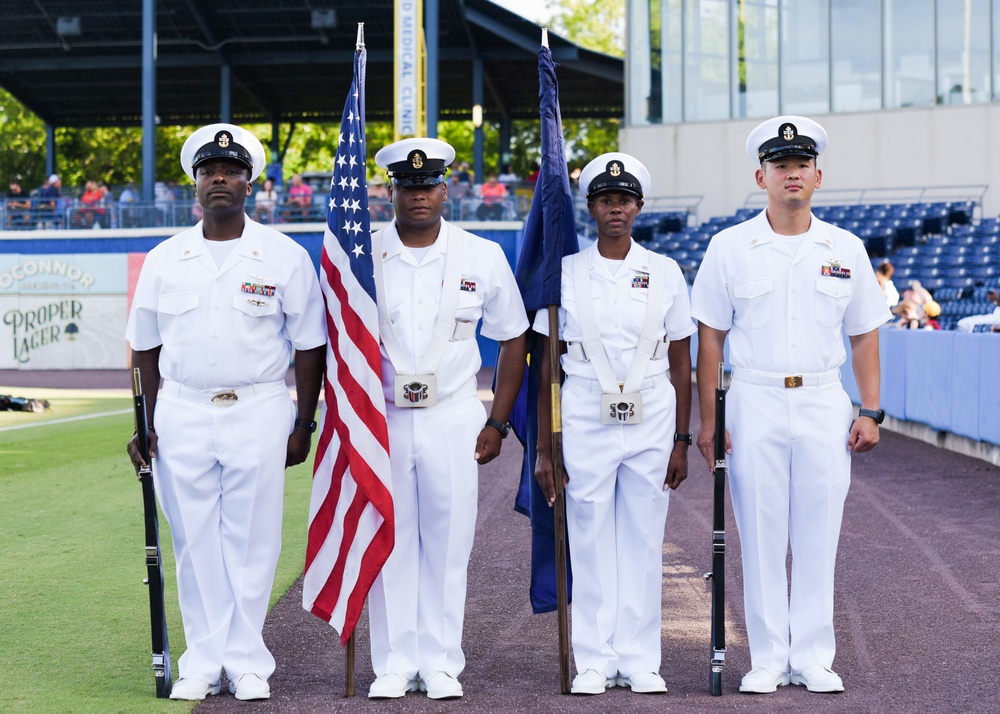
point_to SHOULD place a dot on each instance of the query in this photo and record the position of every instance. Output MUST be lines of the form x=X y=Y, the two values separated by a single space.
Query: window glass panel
x=673 y=84
x=856 y=50
x=963 y=47
x=805 y=57
x=755 y=60
x=909 y=52
x=706 y=66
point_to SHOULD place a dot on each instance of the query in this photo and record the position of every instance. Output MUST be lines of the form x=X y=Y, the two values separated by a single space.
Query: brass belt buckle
x=793 y=381
x=224 y=399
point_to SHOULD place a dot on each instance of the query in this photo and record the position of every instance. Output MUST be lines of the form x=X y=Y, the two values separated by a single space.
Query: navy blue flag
x=549 y=234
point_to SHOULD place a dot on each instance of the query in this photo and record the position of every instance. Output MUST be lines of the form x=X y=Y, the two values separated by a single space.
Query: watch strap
x=686 y=438
x=877 y=414
x=501 y=426
x=309 y=426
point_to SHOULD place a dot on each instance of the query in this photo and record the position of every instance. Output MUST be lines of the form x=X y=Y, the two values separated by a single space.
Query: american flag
x=351 y=530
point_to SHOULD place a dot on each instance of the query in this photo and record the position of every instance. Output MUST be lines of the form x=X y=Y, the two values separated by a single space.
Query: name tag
x=621 y=408
x=415 y=390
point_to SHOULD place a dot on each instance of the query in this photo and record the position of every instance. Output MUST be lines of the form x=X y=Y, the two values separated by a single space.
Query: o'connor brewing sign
x=63 y=311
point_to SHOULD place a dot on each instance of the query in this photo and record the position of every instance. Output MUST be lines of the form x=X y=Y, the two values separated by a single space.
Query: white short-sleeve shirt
x=229 y=326
x=785 y=310
x=620 y=304
x=488 y=292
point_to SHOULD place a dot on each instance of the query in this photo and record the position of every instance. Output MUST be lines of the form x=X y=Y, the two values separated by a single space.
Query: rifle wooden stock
x=154 y=559
x=718 y=574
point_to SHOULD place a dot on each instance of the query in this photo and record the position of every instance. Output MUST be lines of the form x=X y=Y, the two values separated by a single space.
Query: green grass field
x=74 y=612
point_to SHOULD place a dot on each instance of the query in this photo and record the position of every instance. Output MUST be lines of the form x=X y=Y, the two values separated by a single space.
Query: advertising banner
x=63 y=311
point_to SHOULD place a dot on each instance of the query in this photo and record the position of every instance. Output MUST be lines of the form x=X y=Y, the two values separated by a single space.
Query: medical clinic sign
x=63 y=311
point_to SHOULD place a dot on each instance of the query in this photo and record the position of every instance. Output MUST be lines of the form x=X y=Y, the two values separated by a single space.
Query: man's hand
x=706 y=444
x=864 y=435
x=545 y=475
x=677 y=467
x=133 y=450
x=299 y=443
x=487 y=445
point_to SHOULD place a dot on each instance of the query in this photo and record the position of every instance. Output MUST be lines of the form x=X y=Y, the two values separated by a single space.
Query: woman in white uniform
x=626 y=402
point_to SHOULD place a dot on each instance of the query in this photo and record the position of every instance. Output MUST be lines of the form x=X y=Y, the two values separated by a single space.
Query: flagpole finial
x=361 y=36
x=545 y=37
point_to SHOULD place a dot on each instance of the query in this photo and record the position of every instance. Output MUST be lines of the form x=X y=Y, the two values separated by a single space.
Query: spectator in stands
x=909 y=314
x=379 y=207
x=128 y=195
x=18 y=206
x=493 y=194
x=51 y=188
x=574 y=181
x=884 y=276
x=300 y=197
x=917 y=310
x=91 y=210
x=163 y=199
x=264 y=202
x=507 y=177
x=464 y=174
x=991 y=321
x=533 y=175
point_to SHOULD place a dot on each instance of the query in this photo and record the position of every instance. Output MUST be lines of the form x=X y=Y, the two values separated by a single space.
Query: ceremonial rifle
x=154 y=559
x=718 y=574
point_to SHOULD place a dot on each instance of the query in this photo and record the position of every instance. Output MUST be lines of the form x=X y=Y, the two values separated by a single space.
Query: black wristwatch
x=686 y=438
x=309 y=426
x=877 y=414
x=501 y=426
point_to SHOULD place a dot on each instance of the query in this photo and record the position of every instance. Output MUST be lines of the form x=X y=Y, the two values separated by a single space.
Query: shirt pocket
x=832 y=298
x=469 y=307
x=177 y=319
x=754 y=300
x=256 y=319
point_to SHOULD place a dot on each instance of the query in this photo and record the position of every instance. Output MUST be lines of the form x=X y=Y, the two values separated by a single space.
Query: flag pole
x=559 y=475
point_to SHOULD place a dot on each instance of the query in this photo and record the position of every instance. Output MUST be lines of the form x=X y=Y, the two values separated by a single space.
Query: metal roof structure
x=79 y=62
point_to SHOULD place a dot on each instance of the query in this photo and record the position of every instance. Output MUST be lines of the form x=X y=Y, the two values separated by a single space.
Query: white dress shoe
x=391 y=686
x=192 y=689
x=591 y=682
x=761 y=680
x=644 y=683
x=250 y=686
x=819 y=679
x=441 y=685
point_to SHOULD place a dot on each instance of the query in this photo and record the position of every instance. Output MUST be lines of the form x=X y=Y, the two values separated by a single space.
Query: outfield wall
x=65 y=295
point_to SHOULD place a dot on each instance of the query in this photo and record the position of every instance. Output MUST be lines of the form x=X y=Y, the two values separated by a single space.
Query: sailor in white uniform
x=435 y=284
x=784 y=286
x=626 y=401
x=219 y=312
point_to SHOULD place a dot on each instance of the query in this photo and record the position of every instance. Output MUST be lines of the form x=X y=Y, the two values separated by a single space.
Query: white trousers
x=789 y=474
x=416 y=607
x=616 y=511
x=219 y=476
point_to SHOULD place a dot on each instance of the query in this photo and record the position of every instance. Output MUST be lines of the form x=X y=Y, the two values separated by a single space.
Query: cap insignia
x=788 y=132
x=223 y=140
x=615 y=169
x=417 y=160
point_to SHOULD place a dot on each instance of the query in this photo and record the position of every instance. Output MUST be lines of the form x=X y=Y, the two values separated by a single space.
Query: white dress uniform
x=785 y=302
x=220 y=464
x=417 y=603
x=616 y=505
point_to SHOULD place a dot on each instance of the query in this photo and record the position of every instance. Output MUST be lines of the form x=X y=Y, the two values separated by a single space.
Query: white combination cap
x=416 y=162
x=786 y=136
x=615 y=172
x=223 y=141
